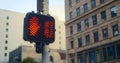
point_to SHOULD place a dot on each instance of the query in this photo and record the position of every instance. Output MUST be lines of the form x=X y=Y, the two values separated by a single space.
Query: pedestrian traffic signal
x=39 y=28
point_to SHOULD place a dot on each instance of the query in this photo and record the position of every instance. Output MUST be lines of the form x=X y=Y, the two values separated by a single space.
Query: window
x=59 y=42
x=94 y=19
x=5 y=54
x=6 y=42
x=103 y=15
x=79 y=26
x=96 y=37
x=5 y=48
x=71 y=30
x=118 y=51
x=87 y=58
x=80 y=42
x=98 y=56
x=115 y=30
x=80 y=58
x=105 y=33
x=104 y=54
x=70 y=3
x=7 y=17
x=78 y=11
x=71 y=15
x=59 y=32
x=113 y=11
x=93 y=3
x=72 y=44
x=72 y=61
x=6 y=29
x=85 y=7
x=102 y=1
x=77 y=1
x=86 y=21
x=87 y=39
x=92 y=57
x=111 y=52
x=7 y=24
x=6 y=36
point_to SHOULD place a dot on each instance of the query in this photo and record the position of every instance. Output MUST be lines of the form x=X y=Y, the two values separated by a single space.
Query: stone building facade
x=92 y=31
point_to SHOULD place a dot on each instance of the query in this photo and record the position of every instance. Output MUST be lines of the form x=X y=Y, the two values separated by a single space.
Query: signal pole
x=42 y=8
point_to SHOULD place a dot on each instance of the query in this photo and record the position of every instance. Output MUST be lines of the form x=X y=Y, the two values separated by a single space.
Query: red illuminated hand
x=34 y=26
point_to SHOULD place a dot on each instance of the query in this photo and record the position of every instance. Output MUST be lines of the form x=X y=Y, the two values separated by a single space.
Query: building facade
x=92 y=31
x=11 y=32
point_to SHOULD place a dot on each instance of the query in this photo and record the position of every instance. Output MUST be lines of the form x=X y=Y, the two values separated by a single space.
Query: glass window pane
x=111 y=53
x=72 y=61
x=71 y=30
x=92 y=57
x=87 y=39
x=79 y=26
x=5 y=54
x=77 y=1
x=115 y=30
x=97 y=56
x=80 y=58
x=113 y=11
x=80 y=42
x=96 y=37
x=70 y=3
x=104 y=54
x=103 y=15
x=93 y=3
x=78 y=11
x=70 y=15
x=105 y=33
x=118 y=51
x=94 y=18
x=102 y=1
x=87 y=58
x=86 y=21
x=85 y=7
x=72 y=44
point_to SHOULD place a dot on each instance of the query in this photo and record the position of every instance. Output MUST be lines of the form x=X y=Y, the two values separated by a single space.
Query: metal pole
x=45 y=54
x=39 y=6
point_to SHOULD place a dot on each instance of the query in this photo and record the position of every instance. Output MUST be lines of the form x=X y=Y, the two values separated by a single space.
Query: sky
x=56 y=7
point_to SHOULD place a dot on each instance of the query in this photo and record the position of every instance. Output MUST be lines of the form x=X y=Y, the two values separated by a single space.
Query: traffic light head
x=39 y=28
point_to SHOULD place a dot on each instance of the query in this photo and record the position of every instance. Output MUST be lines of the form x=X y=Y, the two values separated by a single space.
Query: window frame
x=103 y=15
x=80 y=42
x=78 y=12
x=115 y=30
x=114 y=9
x=94 y=18
x=85 y=7
x=96 y=36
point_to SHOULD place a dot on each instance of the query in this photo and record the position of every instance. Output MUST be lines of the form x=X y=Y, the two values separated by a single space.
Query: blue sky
x=24 y=6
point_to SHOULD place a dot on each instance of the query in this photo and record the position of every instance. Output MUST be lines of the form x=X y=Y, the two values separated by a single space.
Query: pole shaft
x=45 y=55
x=39 y=5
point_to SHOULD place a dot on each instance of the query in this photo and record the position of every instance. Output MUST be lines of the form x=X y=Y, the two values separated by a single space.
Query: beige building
x=11 y=33
x=92 y=31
